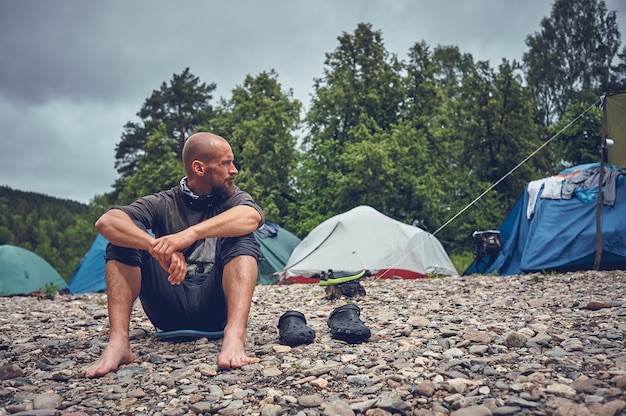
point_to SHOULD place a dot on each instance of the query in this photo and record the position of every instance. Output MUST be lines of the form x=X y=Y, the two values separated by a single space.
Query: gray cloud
x=72 y=72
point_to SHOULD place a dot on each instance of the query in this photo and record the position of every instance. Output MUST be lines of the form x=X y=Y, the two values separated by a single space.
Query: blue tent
x=89 y=275
x=543 y=235
x=276 y=243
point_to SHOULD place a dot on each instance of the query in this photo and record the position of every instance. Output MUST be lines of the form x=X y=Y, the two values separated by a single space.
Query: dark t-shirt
x=171 y=211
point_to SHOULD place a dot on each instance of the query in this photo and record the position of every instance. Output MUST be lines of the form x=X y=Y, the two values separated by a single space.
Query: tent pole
x=598 y=259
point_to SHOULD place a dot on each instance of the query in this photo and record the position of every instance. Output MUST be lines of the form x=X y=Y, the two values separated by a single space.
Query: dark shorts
x=198 y=302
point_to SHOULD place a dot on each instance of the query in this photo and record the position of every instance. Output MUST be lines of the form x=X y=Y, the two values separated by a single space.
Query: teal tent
x=23 y=272
x=276 y=243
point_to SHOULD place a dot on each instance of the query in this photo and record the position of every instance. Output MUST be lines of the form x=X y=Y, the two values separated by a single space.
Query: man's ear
x=198 y=167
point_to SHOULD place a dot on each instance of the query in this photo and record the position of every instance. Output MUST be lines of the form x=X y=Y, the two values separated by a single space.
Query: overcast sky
x=73 y=72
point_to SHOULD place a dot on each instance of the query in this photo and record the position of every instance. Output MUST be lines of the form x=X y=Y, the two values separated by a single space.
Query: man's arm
x=234 y=222
x=119 y=229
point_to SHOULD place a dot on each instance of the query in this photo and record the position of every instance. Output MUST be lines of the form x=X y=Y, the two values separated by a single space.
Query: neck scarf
x=191 y=194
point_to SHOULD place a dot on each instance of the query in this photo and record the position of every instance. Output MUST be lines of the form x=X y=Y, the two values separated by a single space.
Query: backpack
x=487 y=244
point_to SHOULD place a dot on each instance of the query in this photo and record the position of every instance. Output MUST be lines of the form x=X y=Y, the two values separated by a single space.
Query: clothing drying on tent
x=363 y=238
x=553 y=228
x=23 y=272
x=276 y=247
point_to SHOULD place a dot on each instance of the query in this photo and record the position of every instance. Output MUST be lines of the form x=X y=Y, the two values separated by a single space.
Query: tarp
x=364 y=238
x=23 y=272
x=616 y=126
x=276 y=247
x=560 y=234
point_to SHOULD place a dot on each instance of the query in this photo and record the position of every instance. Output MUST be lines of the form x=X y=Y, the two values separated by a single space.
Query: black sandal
x=345 y=324
x=293 y=330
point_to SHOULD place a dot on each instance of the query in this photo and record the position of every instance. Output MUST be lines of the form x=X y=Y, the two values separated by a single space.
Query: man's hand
x=176 y=266
x=167 y=252
x=165 y=246
x=177 y=269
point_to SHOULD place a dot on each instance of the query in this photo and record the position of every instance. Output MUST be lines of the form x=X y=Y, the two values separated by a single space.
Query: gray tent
x=364 y=238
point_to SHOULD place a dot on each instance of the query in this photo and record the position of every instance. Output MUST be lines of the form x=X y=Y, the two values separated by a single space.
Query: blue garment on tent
x=561 y=235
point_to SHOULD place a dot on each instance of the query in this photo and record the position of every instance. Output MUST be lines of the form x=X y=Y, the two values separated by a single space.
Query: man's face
x=222 y=172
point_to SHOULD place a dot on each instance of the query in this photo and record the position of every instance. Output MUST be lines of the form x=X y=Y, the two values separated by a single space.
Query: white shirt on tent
x=552 y=188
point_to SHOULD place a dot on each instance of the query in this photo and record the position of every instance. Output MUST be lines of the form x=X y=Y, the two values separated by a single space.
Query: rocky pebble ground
x=465 y=346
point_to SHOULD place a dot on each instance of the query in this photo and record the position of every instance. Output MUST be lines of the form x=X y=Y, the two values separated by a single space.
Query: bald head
x=200 y=146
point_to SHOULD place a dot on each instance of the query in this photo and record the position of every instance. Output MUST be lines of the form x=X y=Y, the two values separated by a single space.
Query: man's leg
x=123 y=285
x=238 y=280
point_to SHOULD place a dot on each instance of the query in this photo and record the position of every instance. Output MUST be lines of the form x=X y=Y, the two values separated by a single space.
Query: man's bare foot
x=111 y=358
x=233 y=354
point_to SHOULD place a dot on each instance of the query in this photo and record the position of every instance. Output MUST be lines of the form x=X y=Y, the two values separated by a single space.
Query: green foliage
x=178 y=107
x=536 y=278
x=356 y=102
x=260 y=121
x=158 y=167
x=49 y=291
x=570 y=59
x=462 y=261
x=581 y=141
x=433 y=274
x=6 y=236
x=60 y=231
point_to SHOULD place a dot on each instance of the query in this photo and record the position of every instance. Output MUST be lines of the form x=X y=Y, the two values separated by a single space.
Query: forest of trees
x=417 y=138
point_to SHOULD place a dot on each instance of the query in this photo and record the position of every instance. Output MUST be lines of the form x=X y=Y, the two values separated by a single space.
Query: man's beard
x=224 y=191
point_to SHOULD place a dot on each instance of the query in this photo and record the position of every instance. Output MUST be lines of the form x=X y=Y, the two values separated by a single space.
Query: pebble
x=462 y=346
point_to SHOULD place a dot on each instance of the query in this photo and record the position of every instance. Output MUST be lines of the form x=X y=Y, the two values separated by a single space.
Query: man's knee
x=233 y=247
x=129 y=256
x=243 y=263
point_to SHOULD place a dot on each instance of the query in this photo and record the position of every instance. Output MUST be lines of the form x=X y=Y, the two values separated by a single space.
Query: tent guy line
x=509 y=173
x=560 y=234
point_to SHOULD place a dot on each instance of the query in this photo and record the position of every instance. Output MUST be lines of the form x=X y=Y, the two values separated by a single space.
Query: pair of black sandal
x=344 y=322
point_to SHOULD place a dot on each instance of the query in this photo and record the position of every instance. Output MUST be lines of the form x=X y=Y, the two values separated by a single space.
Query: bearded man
x=189 y=255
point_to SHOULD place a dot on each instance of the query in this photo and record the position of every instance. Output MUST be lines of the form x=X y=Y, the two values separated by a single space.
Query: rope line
x=517 y=167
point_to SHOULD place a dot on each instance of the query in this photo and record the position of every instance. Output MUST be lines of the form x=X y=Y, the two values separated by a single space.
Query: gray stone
x=472 y=411
x=310 y=400
x=506 y=410
x=433 y=351
x=425 y=388
x=337 y=408
x=9 y=371
x=272 y=410
x=47 y=401
x=515 y=340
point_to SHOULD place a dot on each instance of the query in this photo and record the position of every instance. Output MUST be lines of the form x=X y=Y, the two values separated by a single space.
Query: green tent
x=277 y=244
x=23 y=272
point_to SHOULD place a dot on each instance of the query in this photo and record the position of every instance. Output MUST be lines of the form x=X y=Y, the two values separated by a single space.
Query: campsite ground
x=479 y=345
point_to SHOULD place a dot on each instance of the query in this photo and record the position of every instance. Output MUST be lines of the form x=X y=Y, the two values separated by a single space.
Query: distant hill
x=59 y=230
x=33 y=198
